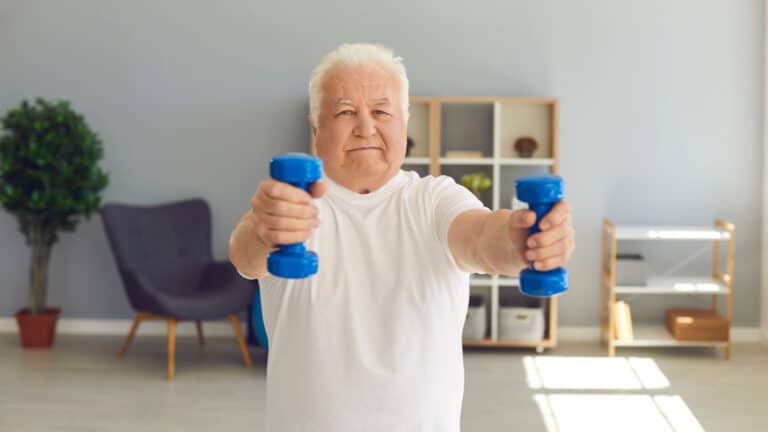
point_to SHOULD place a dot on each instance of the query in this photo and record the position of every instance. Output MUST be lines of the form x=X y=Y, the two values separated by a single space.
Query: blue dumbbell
x=541 y=192
x=294 y=261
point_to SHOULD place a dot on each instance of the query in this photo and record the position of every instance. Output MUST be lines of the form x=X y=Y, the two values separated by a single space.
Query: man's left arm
x=497 y=242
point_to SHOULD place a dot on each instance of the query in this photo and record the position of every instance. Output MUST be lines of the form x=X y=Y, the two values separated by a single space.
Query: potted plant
x=49 y=178
x=476 y=182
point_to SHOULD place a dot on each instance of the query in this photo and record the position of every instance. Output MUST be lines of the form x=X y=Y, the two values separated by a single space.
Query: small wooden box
x=697 y=325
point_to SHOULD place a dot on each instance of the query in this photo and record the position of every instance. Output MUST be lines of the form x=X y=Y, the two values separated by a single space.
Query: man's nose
x=366 y=126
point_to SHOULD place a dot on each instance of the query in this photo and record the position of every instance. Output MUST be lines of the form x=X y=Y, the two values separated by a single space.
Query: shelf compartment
x=508 y=175
x=669 y=233
x=658 y=336
x=516 y=119
x=466 y=161
x=677 y=286
x=418 y=130
x=458 y=171
x=466 y=127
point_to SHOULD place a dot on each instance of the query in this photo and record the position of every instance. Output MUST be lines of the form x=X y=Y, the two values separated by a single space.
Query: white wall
x=763 y=267
x=660 y=109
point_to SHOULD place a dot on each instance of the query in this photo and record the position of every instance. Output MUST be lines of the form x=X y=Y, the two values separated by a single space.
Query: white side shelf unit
x=718 y=284
x=455 y=136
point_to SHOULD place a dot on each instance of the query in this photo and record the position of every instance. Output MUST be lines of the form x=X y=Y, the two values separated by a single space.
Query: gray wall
x=660 y=109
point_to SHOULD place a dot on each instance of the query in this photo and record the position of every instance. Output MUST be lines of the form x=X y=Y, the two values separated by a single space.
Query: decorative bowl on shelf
x=525 y=146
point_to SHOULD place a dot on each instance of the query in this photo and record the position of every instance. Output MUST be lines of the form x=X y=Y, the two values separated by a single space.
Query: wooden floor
x=81 y=385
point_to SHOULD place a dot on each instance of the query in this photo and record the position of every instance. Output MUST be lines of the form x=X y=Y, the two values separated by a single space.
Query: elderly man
x=372 y=342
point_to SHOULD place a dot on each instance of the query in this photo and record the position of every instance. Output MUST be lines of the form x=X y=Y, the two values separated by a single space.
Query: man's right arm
x=279 y=214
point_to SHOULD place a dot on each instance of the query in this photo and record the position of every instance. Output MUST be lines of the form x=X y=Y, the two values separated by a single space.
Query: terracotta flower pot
x=37 y=330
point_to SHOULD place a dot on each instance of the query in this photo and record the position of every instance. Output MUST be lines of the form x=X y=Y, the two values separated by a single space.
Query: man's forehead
x=358 y=83
x=368 y=82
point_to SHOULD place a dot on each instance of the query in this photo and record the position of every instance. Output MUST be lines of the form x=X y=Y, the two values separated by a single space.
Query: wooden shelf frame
x=723 y=232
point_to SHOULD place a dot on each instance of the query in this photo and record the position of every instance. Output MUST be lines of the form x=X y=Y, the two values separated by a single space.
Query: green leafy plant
x=49 y=179
x=476 y=182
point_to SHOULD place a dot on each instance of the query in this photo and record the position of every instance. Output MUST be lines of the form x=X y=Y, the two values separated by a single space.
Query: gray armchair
x=164 y=258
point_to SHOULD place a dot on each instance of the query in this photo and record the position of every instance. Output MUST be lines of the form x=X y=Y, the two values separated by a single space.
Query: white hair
x=355 y=54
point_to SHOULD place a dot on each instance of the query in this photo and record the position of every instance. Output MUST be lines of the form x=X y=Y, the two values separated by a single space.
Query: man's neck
x=364 y=186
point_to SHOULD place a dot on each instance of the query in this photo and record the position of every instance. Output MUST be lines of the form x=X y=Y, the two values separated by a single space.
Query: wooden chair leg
x=141 y=316
x=241 y=340
x=171 y=347
x=200 y=338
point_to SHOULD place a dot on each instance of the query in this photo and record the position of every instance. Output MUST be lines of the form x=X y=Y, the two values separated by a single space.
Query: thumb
x=318 y=189
x=522 y=218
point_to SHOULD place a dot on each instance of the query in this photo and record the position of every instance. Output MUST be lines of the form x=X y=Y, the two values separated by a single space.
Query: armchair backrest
x=169 y=243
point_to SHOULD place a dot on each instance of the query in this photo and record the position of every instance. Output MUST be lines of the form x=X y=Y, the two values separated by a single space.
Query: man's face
x=361 y=130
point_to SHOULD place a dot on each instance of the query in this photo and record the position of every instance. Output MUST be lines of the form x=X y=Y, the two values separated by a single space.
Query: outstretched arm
x=497 y=242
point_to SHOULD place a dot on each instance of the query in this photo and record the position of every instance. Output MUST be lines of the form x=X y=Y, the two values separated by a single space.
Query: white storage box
x=521 y=323
x=475 y=325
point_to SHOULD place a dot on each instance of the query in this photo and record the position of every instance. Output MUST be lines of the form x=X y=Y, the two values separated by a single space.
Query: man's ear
x=312 y=126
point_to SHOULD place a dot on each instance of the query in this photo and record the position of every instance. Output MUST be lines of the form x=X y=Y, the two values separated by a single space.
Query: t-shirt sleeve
x=450 y=200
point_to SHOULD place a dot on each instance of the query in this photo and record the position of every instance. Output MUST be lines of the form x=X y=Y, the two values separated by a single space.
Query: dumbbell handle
x=541 y=192
x=294 y=260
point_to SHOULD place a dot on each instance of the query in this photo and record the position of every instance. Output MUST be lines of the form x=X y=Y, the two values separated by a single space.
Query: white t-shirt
x=372 y=342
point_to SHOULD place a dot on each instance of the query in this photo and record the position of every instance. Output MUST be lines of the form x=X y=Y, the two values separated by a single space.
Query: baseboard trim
x=120 y=327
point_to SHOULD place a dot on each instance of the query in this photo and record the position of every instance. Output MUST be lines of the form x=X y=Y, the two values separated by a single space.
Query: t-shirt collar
x=349 y=195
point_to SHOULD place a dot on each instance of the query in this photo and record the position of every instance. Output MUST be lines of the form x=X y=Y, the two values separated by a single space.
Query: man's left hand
x=554 y=245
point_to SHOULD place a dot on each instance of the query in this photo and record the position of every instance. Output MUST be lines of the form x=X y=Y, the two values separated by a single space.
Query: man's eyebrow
x=344 y=102
x=381 y=101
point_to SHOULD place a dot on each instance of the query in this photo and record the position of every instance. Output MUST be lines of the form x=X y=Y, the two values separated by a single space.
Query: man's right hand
x=280 y=214
x=283 y=214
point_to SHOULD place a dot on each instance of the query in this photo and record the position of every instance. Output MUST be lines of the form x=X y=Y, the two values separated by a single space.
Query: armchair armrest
x=224 y=273
x=220 y=272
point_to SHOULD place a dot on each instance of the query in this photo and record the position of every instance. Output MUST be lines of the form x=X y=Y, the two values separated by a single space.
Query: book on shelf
x=622 y=321
x=455 y=154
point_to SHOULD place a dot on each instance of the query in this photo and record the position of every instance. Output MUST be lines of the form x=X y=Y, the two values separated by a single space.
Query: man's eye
x=345 y=113
x=380 y=113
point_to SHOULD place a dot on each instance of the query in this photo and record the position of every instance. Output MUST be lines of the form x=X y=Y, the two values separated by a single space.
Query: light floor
x=80 y=385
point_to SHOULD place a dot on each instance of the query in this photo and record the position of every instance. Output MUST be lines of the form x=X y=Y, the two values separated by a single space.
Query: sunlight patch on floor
x=574 y=394
x=593 y=373
x=615 y=412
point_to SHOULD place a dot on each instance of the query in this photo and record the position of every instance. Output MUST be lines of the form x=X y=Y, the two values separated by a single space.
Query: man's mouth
x=364 y=148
